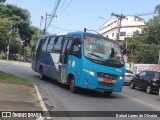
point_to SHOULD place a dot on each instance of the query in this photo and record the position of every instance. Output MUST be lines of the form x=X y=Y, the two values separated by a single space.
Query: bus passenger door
x=36 y=52
x=64 y=58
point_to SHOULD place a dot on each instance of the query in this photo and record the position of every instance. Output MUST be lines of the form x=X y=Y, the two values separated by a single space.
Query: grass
x=9 y=78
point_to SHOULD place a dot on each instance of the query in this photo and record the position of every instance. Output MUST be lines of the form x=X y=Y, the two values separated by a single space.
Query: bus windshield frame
x=103 y=51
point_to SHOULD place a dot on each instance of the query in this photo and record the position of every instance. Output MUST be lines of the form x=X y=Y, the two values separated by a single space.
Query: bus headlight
x=89 y=71
x=121 y=77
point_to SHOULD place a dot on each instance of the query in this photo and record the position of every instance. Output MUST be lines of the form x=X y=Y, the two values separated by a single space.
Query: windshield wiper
x=114 y=61
x=95 y=55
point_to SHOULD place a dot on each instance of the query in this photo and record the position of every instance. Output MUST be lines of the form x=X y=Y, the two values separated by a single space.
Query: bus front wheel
x=73 y=88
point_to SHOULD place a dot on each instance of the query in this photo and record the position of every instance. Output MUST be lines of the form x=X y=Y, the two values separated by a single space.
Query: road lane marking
x=42 y=103
x=142 y=102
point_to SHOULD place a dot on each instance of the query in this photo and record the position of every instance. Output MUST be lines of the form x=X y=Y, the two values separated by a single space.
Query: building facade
x=129 y=26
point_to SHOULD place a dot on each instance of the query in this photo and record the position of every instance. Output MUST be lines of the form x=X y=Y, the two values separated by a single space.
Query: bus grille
x=106 y=84
x=102 y=77
x=107 y=76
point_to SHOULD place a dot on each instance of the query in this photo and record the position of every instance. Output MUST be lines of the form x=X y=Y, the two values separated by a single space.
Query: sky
x=75 y=15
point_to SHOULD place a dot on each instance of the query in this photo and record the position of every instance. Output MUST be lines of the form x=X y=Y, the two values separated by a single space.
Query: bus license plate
x=107 y=81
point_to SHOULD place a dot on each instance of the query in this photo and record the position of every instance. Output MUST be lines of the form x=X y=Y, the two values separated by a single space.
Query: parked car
x=147 y=80
x=128 y=76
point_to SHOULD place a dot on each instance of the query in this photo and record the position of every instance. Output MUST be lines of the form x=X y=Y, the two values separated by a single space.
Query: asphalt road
x=58 y=97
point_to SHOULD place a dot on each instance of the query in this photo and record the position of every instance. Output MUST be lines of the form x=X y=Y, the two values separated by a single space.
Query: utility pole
x=40 y=26
x=53 y=14
x=120 y=17
x=45 y=25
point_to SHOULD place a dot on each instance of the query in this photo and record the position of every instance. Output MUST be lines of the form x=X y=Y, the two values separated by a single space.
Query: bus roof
x=47 y=35
x=81 y=33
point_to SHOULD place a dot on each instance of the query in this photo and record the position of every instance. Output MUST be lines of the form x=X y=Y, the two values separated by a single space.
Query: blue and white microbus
x=80 y=59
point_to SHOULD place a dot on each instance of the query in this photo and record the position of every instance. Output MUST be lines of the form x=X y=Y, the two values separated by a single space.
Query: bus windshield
x=103 y=51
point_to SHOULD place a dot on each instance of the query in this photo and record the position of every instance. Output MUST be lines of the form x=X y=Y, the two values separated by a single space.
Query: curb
x=42 y=105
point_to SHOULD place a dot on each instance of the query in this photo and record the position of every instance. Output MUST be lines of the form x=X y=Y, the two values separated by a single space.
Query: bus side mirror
x=112 y=52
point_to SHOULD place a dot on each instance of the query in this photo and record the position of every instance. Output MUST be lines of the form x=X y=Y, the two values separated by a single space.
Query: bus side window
x=76 y=48
x=50 y=44
x=45 y=44
x=58 y=44
x=35 y=48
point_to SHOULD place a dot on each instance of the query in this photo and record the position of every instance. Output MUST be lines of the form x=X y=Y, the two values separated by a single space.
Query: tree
x=19 y=19
x=15 y=18
x=147 y=54
x=144 y=46
x=157 y=9
x=4 y=29
x=35 y=31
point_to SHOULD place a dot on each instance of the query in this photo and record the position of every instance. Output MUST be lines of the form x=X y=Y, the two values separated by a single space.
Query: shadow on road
x=143 y=91
x=82 y=91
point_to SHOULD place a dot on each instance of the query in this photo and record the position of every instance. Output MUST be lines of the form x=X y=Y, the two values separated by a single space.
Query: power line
x=65 y=8
x=63 y=29
x=142 y=14
x=145 y=14
x=62 y=5
x=53 y=13
x=57 y=23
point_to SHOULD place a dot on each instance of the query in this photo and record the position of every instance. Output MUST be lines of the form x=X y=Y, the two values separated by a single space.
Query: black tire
x=132 y=86
x=107 y=93
x=149 y=89
x=73 y=88
x=41 y=76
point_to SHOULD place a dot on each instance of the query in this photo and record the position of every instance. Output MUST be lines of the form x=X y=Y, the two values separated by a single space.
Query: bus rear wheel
x=73 y=88
x=41 y=76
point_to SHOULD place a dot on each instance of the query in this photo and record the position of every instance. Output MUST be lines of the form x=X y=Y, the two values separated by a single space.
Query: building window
x=122 y=34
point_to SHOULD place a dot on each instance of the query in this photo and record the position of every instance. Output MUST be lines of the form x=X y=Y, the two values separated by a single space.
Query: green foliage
x=146 y=53
x=12 y=79
x=15 y=18
x=35 y=31
x=2 y=57
x=4 y=28
x=157 y=9
x=145 y=46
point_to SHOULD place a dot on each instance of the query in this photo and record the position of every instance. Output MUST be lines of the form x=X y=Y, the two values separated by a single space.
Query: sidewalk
x=19 y=98
x=15 y=97
x=27 y=64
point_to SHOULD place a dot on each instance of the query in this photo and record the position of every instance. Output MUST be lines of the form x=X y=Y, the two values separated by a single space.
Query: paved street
x=58 y=97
